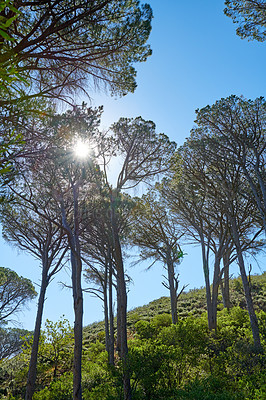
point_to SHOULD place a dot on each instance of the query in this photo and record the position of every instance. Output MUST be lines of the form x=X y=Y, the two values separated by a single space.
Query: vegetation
x=60 y=47
x=167 y=361
x=250 y=16
x=60 y=204
x=15 y=292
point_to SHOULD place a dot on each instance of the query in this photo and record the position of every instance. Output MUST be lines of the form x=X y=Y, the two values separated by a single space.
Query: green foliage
x=208 y=389
x=250 y=16
x=165 y=358
x=11 y=341
x=55 y=350
x=166 y=361
x=193 y=302
x=54 y=363
x=9 y=73
x=233 y=322
x=65 y=43
x=60 y=389
x=145 y=329
x=15 y=292
x=148 y=329
x=99 y=379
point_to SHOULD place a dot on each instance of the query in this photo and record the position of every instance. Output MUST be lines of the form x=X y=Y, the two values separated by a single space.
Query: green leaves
x=250 y=16
x=76 y=45
x=15 y=292
x=5 y=22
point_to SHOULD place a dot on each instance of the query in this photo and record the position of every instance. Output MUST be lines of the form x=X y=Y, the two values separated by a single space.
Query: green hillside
x=192 y=302
x=184 y=361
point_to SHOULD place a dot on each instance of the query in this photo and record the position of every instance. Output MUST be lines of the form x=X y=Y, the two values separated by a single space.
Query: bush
x=60 y=389
x=208 y=389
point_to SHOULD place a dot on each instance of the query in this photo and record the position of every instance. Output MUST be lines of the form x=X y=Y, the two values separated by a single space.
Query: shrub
x=60 y=389
x=208 y=389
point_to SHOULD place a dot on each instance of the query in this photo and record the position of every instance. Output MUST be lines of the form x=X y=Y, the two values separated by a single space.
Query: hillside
x=184 y=361
x=192 y=302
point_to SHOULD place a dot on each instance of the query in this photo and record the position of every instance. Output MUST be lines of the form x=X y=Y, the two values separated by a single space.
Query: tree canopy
x=57 y=47
x=15 y=292
x=250 y=15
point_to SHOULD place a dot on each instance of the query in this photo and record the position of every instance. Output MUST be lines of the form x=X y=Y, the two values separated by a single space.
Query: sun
x=82 y=149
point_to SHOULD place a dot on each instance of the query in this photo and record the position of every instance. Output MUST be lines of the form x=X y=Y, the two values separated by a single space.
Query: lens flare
x=82 y=149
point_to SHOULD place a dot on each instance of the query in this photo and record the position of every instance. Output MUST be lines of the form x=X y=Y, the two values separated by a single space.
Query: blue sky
x=197 y=59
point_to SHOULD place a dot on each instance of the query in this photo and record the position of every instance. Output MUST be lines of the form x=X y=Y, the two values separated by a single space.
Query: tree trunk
x=78 y=299
x=122 y=310
x=30 y=388
x=118 y=321
x=121 y=305
x=252 y=315
x=106 y=323
x=111 y=316
x=76 y=264
x=106 y=311
x=205 y=262
x=78 y=311
x=215 y=288
x=171 y=281
x=225 y=285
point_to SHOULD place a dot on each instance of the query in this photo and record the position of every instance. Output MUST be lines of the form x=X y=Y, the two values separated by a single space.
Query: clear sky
x=197 y=59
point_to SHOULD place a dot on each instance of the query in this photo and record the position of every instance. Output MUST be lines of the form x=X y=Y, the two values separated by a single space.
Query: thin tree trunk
x=205 y=262
x=171 y=281
x=78 y=312
x=78 y=301
x=252 y=315
x=118 y=321
x=30 y=388
x=106 y=311
x=215 y=288
x=76 y=264
x=121 y=306
x=111 y=315
x=122 y=312
x=225 y=285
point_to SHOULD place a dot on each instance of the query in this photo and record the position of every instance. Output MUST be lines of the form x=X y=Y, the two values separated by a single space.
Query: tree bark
x=206 y=272
x=76 y=265
x=78 y=299
x=30 y=388
x=215 y=288
x=225 y=285
x=106 y=311
x=121 y=305
x=171 y=281
x=252 y=315
x=111 y=315
x=78 y=311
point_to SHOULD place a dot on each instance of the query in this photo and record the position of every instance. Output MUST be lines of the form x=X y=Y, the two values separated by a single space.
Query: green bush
x=60 y=389
x=208 y=389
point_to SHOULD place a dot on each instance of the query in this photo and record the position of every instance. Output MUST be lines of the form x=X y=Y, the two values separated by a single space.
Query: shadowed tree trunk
x=215 y=288
x=111 y=314
x=121 y=304
x=106 y=310
x=76 y=265
x=252 y=315
x=30 y=388
x=225 y=282
x=206 y=272
x=172 y=284
x=172 y=288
